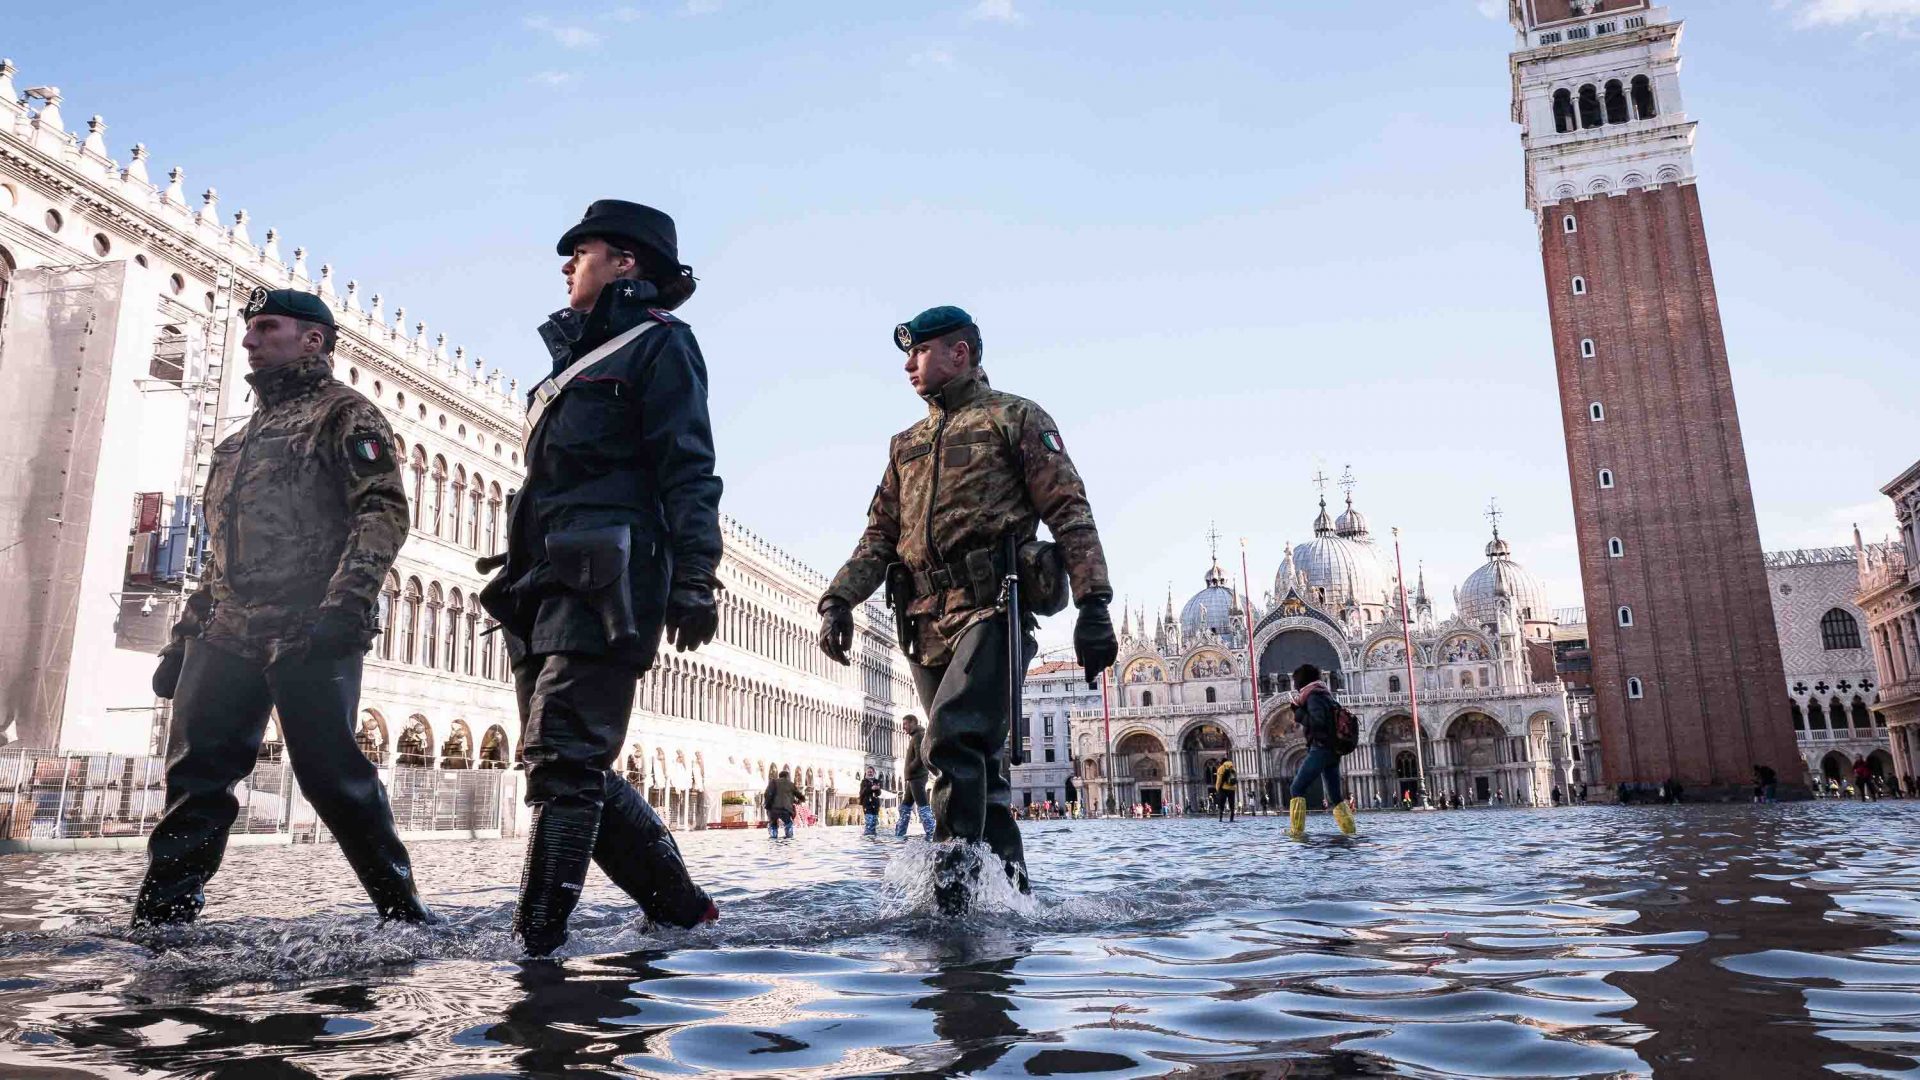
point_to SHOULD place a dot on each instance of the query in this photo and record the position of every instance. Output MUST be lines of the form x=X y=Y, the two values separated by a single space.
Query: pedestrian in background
x=914 y=798
x=781 y=797
x=1318 y=715
x=870 y=802
x=1226 y=783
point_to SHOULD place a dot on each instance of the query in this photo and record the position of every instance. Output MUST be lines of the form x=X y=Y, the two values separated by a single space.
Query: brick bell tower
x=1686 y=666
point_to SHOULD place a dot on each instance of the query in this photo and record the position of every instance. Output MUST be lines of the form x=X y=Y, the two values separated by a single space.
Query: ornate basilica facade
x=1493 y=714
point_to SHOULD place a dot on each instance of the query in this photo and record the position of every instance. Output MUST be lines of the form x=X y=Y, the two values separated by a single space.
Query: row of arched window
x=443 y=629
x=440 y=629
x=693 y=690
x=1613 y=102
x=1835 y=715
x=459 y=507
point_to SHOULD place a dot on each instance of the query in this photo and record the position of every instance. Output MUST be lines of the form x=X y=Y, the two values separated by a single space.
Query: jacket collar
x=290 y=381
x=622 y=303
x=963 y=389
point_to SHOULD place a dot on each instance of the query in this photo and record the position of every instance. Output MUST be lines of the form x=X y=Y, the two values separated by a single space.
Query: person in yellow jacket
x=1316 y=712
x=1226 y=782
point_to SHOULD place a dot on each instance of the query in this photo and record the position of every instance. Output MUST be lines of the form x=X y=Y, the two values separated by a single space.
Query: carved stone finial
x=399 y=321
x=239 y=230
x=373 y=310
x=353 y=297
x=270 y=251
x=420 y=334
x=137 y=168
x=210 y=207
x=96 y=143
x=326 y=281
x=175 y=195
x=440 y=347
x=300 y=264
x=7 y=93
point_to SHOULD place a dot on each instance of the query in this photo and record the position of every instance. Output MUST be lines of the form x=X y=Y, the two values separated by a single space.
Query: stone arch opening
x=372 y=736
x=457 y=751
x=1291 y=648
x=414 y=750
x=493 y=749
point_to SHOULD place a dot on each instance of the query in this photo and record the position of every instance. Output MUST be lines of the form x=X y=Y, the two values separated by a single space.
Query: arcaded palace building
x=120 y=335
x=1833 y=689
x=1890 y=597
x=1493 y=714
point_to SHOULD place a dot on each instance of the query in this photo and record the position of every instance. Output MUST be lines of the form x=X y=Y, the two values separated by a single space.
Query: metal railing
x=50 y=795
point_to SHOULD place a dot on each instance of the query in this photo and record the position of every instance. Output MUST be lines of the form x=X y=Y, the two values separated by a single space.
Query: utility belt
x=981 y=573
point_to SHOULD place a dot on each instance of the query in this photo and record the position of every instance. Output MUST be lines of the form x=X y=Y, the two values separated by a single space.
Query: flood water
x=1736 y=941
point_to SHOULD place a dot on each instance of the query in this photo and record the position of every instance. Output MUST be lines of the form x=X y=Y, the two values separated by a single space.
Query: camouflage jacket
x=304 y=509
x=982 y=464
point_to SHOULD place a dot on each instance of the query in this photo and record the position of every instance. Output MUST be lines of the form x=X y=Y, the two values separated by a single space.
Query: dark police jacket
x=627 y=442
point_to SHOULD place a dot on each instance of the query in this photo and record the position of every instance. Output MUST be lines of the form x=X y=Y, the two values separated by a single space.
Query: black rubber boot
x=956 y=878
x=637 y=853
x=171 y=901
x=559 y=850
x=388 y=878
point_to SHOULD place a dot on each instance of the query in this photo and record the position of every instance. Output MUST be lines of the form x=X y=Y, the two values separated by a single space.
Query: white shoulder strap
x=544 y=394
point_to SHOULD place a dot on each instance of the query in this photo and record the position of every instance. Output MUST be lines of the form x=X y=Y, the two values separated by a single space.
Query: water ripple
x=1670 y=941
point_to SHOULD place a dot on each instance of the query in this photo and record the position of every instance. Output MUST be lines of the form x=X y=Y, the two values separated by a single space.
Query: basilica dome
x=1344 y=566
x=1502 y=577
x=1213 y=608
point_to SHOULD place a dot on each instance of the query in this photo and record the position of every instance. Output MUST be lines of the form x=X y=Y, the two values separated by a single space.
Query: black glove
x=693 y=617
x=1094 y=645
x=337 y=632
x=836 y=630
x=166 y=677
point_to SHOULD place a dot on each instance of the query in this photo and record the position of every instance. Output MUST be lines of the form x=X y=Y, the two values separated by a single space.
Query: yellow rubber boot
x=1297 y=817
x=1343 y=817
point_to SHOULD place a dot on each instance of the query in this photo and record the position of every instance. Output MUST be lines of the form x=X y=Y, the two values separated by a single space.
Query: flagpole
x=1413 y=688
x=1253 y=677
x=1106 y=718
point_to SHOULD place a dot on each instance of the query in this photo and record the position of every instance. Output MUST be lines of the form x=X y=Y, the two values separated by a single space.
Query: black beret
x=293 y=303
x=930 y=324
x=628 y=220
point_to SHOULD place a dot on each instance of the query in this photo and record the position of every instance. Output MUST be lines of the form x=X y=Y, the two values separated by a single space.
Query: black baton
x=1016 y=653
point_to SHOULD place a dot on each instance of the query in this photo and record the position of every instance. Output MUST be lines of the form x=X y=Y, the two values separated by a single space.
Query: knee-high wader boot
x=966 y=745
x=220 y=715
x=637 y=853
x=559 y=848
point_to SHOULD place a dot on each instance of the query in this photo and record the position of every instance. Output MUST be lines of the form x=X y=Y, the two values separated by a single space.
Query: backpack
x=1346 y=730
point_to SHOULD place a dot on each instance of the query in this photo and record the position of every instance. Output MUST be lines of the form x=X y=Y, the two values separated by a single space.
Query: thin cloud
x=1899 y=17
x=571 y=37
x=939 y=58
x=700 y=7
x=1492 y=9
x=551 y=78
x=1000 y=11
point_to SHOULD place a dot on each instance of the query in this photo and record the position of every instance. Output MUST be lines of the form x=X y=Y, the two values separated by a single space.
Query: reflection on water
x=1749 y=942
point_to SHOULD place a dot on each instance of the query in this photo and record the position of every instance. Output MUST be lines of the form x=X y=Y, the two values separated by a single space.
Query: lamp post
x=1413 y=688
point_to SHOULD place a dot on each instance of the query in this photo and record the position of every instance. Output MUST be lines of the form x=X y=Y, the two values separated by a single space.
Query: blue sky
x=1225 y=246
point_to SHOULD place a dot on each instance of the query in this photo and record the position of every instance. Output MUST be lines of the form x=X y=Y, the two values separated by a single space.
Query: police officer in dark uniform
x=614 y=537
x=984 y=468
x=305 y=513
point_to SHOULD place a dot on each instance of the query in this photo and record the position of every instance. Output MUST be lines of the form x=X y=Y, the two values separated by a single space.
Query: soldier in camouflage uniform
x=305 y=513
x=982 y=465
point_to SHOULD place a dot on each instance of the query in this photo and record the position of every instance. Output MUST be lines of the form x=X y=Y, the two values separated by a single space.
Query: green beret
x=930 y=324
x=293 y=303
